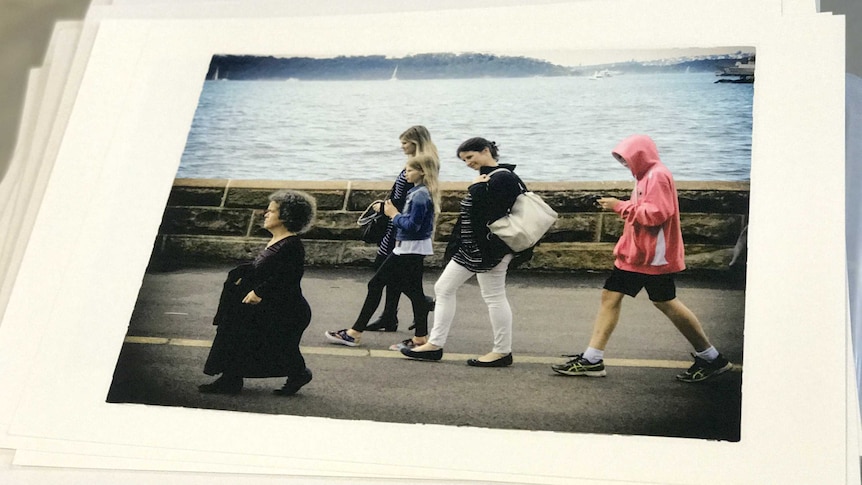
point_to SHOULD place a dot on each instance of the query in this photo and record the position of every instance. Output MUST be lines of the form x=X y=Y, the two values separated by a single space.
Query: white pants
x=493 y=286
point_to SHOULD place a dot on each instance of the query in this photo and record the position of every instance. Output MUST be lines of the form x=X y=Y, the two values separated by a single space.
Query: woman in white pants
x=474 y=250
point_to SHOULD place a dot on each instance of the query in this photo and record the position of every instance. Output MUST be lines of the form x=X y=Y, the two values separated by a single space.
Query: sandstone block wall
x=209 y=221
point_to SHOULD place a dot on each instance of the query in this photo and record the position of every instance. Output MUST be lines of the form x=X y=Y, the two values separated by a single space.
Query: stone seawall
x=217 y=221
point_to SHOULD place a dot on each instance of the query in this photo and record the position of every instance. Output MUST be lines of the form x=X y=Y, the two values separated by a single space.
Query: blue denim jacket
x=416 y=221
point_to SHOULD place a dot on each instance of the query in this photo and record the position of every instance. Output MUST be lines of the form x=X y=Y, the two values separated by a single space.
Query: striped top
x=468 y=254
x=398 y=196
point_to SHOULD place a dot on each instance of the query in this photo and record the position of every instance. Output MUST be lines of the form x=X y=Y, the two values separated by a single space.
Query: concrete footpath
x=170 y=333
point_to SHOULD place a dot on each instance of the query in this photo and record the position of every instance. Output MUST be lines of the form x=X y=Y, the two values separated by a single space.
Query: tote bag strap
x=520 y=182
x=369 y=214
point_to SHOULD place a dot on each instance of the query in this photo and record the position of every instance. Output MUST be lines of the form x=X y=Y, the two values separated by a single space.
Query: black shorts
x=659 y=287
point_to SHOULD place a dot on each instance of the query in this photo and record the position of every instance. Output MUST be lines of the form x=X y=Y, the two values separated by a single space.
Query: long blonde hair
x=429 y=165
x=419 y=136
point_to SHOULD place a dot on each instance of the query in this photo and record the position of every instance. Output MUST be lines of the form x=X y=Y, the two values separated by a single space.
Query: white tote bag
x=528 y=220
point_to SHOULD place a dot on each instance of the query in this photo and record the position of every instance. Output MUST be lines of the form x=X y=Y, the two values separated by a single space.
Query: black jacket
x=491 y=201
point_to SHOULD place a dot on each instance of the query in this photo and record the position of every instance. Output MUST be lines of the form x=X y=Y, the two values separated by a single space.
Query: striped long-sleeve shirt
x=398 y=195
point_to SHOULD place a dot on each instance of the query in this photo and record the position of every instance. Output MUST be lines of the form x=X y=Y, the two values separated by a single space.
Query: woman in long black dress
x=262 y=313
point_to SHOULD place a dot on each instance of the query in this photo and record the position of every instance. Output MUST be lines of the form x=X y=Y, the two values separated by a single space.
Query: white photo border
x=127 y=132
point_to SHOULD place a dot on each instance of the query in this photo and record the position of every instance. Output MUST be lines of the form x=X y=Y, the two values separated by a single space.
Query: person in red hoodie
x=647 y=256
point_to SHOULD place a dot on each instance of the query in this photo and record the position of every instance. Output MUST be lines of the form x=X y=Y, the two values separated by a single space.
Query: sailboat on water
x=394 y=74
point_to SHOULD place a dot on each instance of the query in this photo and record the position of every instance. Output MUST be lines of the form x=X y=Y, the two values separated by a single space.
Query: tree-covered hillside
x=422 y=66
x=437 y=66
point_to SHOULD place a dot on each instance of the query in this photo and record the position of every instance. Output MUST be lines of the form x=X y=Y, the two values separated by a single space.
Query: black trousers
x=404 y=272
x=393 y=294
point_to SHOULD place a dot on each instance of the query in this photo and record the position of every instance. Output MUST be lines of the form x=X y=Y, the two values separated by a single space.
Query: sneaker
x=341 y=337
x=404 y=344
x=702 y=370
x=579 y=366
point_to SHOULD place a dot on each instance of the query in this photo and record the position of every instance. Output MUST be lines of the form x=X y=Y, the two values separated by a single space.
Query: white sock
x=708 y=355
x=593 y=355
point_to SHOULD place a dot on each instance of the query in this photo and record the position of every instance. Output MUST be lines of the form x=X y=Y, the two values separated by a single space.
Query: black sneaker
x=702 y=370
x=579 y=366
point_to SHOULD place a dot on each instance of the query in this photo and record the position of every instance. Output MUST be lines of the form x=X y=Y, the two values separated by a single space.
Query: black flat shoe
x=292 y=386
x=423 y=355
x=503 y=361
x=222 y=386
x=383 y=325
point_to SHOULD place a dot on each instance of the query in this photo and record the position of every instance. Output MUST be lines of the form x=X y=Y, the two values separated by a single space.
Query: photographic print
x=138 y=340
x=340 y=130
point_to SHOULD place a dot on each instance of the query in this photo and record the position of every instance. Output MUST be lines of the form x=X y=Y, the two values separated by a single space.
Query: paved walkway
x=170 y=332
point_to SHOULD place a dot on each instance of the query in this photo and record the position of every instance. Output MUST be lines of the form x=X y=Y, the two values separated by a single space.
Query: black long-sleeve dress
x=263 y=340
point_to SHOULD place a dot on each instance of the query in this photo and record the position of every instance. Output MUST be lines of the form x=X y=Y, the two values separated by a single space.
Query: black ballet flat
x=292 y=386
x=503 y=361
x=423 y=355
x=383 y=325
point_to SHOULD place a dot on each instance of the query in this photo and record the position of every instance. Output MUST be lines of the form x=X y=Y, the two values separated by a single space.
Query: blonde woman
x=414 y=141
x=403 y=268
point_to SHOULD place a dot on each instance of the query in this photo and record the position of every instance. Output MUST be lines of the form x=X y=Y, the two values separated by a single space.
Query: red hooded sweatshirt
x=652 y=240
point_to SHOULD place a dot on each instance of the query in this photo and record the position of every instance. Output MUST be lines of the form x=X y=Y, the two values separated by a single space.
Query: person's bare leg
x=607 y=319
x=686 y=322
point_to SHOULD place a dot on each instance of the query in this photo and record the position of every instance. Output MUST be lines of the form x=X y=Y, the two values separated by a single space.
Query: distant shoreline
x=441 y=66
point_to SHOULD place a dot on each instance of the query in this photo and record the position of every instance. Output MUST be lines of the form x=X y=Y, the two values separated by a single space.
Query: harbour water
x=552 y=128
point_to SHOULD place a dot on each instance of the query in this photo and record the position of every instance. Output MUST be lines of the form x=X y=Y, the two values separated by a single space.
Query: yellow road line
x=184 y=342
x=388 y=354
x=147 y=340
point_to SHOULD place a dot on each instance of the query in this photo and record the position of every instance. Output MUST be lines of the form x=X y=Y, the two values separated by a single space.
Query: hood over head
x=640 y=152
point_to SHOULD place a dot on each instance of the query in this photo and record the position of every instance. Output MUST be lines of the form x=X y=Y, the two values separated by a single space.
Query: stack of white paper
x=105 y=126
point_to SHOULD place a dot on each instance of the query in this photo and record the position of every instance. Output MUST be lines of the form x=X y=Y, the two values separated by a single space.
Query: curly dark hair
x=295 y=209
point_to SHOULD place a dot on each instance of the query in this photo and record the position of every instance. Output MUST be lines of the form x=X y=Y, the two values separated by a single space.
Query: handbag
x=528 y=220
x=373 y=224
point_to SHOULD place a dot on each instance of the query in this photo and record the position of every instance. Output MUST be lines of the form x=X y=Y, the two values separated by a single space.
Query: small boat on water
x=744 y=71
x=740 y=68
x=600 y=74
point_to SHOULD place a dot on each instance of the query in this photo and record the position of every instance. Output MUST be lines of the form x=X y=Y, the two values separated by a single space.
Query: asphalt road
x=170 y=332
